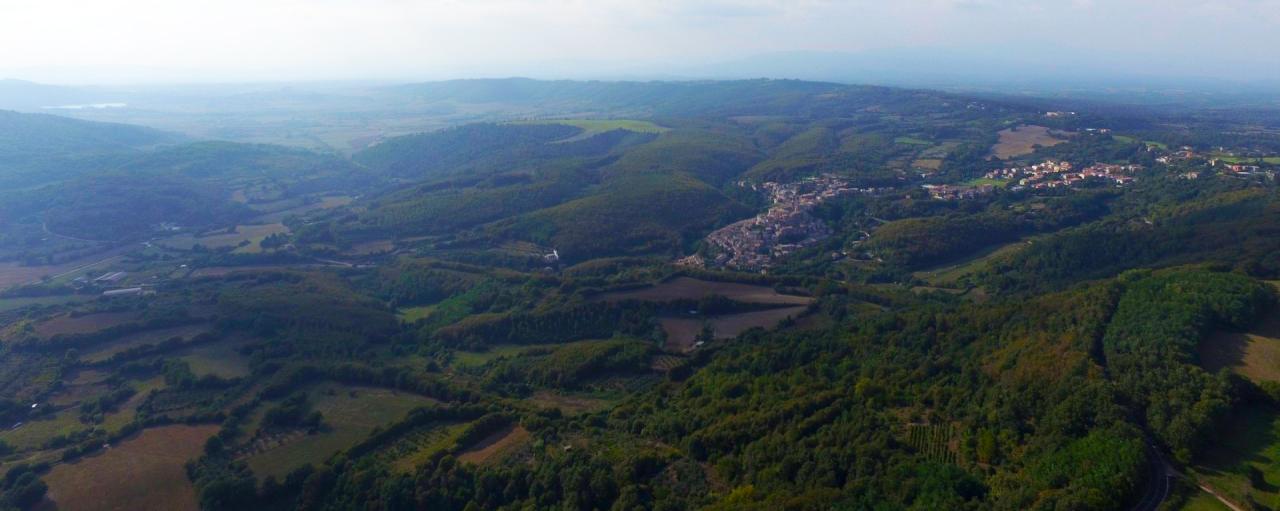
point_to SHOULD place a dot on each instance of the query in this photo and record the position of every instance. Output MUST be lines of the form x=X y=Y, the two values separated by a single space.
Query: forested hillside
x=36 y=148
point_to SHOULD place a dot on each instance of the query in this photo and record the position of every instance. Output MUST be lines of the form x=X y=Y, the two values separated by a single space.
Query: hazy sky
x=94 y=41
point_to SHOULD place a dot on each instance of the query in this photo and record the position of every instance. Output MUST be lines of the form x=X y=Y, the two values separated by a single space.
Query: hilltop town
x=756 y=243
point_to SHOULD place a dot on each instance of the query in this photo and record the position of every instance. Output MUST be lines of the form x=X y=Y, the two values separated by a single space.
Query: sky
x=183 y=41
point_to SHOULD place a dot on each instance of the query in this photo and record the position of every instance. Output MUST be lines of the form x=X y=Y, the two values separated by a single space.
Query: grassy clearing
x=88 y=323
x=34 y=433
x=350 y=414
x=413 y=314
x=126 y=412
x=1129 y=140
x=686 y=288
x=1254 y=354
x=104 y=351
x=8 y=304
x=1202 y=501
x=983 y=181
x=950 y=274
x=496 y=446
x=479 y=358
x=682 y=331
x=912 y=141
x=253 y=234
x=221 y=358
x=1249 y=442
x=1022 y=141
x=142 y=472
x=568 y=404
x=1271 y=160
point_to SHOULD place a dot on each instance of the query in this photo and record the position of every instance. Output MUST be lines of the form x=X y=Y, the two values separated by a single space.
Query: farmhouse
x=110 y=277
x=128 y=291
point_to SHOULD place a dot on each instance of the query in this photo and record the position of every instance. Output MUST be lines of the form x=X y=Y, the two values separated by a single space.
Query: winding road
x=1159 y=481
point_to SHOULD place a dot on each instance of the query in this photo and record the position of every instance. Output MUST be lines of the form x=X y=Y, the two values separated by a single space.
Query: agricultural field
x=496 y=446
x=1254 y=354
x=686 y=288
x=593 y=127
x=103 y=351
x=931 y=164
x=682 y=332
x=84 y=324
x=411 y=450
x=13 y=274
x=253 y=234
x=327 y=202
x=350 y=414
x=938 y=442
x=142 y=472
x=1023 y=140
x=8 y=304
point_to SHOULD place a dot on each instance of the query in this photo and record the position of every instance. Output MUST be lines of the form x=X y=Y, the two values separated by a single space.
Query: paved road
x=1159 y=481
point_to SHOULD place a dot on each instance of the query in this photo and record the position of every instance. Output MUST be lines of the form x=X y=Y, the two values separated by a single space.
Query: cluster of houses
x=1183 y=153
x=1244 y=165
x=957 y=192
x=755 y=243
x=1240 y=168
x=1054 y=174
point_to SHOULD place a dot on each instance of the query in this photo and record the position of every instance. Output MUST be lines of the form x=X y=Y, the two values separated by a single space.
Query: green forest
x=758 y=294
